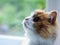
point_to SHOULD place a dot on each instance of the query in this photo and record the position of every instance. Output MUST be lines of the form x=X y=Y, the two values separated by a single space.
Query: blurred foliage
x=12 y=12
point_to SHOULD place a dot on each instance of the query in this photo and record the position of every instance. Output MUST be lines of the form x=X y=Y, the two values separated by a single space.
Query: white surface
x=10 y=40
x=54 y=5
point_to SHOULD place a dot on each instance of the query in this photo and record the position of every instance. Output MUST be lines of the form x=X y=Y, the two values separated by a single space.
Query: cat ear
x=53 y=16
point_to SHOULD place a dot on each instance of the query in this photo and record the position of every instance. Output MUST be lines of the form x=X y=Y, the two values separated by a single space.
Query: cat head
x=41 y=22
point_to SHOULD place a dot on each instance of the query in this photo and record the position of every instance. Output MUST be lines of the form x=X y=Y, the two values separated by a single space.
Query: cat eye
x=36 y=19
x=49 y=20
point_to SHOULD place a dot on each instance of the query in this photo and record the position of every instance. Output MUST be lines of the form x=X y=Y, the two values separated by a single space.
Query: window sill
x=10 y=40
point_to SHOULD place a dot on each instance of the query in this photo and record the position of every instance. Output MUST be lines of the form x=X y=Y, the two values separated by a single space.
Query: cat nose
x=26 y=18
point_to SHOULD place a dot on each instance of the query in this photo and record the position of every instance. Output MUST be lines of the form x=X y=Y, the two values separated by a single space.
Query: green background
x=12 y=13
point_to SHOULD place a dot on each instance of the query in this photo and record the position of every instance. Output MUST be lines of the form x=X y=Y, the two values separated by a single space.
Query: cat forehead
x=40 y=13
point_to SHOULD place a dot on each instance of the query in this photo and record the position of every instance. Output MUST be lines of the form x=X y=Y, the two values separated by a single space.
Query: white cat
x=40 y=28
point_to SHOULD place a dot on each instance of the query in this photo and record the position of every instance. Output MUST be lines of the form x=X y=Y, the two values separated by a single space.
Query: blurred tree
x=12 y=12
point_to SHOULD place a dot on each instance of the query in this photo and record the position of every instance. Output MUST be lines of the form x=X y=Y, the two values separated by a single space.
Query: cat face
x=41 y=22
